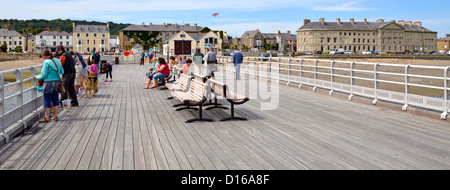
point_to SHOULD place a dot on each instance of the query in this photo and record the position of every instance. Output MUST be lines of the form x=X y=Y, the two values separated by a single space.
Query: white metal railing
x=135 y=58
x=324 y=74
x=21 y=108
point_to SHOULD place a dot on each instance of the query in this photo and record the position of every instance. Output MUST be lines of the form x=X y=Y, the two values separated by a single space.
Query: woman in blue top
x=51 y=71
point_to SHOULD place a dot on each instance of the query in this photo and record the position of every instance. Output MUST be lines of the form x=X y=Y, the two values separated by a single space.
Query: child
x=108 y=68
x=40 y=85
x=94 y=69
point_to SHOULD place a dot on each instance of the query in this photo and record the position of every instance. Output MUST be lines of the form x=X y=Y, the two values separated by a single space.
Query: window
x=79 y=42
x=206 y=40
x=87 y=34
x=215 y=40
x=328 y=40
x=94 y=42
x=88 y=42
x=20 y=43
x=54 y=37
x=60 y=37
x=95 y=35
x=67 y=37
x=335 y=40
x=67 y=43
x=54 y=43
x=60 y=43
x=103 y=35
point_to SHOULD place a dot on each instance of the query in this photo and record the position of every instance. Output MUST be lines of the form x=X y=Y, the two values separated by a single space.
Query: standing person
x=78 y=71
x=211 y=62
x=150 y=57
x=84 y=70
x=237 y=60
x=142 y=58
x=51 y=69
x=198 y=63
x=108 y=68
x=97 y=59
x=68 y=78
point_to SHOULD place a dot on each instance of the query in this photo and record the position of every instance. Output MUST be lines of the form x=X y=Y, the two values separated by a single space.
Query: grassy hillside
x=36 y=26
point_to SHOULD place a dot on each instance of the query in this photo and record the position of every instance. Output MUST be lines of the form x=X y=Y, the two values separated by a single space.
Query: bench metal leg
x=200 y=116
x=216 y=105
x=169 y=98
x=185 y=108
x=232 y=115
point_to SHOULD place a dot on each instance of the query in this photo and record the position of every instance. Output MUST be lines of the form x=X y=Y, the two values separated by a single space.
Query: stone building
x=359 y=36
x=444 y=43
x=184 y=43
x=52 y=39
x=90 y=38
x=12 y=39
x=165 y=31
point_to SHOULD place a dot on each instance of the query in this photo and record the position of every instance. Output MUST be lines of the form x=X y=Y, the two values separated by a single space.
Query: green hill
x=36 y=26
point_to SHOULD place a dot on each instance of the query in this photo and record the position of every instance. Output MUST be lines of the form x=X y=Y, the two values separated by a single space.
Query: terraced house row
x=371 y=36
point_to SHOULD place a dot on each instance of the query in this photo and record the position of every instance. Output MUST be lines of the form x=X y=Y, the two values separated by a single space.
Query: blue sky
x=236 y=16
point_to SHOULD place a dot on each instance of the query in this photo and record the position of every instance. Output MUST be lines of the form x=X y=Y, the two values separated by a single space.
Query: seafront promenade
x=126 y=127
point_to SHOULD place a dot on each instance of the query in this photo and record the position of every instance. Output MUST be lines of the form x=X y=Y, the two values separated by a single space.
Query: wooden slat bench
x=195 y=96
x=220 y=88
x=181 y=85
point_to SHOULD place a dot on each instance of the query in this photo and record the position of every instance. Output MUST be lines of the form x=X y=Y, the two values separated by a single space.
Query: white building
x=12 y=39
x=114 y=43
x=184 y=43
x=52 y=39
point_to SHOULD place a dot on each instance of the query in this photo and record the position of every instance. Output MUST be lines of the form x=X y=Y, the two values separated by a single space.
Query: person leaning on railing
x=51 y=69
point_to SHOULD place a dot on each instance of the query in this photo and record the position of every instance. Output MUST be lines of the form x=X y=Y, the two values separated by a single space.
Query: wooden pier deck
x=126 y=127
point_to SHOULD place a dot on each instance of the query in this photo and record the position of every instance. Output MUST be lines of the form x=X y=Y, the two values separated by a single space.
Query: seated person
x=186 y=69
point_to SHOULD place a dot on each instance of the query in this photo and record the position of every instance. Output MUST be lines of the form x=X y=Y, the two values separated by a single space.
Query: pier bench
x=220 y=88
x=195 y=96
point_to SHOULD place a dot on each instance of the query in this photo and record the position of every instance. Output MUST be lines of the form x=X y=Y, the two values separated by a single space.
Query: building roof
x=250 y=34
x=269 y=35
x=137 y=46
x=91 y=29
x=359 y=26
x=54 y=33
x=9 y=33
x=447 y=37
x=164 y=28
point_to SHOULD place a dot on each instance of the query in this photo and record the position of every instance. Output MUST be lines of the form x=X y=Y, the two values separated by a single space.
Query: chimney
x=322 y=21
x=419 y=24
x=150 y=24
x=306 y=21
x=176 y=24
x=289 y=32
x=73 y=24
x=380 y=20
x=187 y=24
x=195 y=24
x=448 y=35
x=365 y=20
x=393 y=21
x=164 y=24
x=107 y=25
x=338 y=20
x=143 y=24
x=409 y=23
x=352 y=20
x=401 y=22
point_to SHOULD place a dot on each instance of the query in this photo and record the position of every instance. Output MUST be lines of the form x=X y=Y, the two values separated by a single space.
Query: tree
x=3 y=48
x=17 y=49
x=146 y=38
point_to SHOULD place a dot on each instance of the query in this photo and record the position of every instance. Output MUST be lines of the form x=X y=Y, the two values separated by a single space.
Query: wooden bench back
x=218 y=87
x=197 y=89
x=200 y=77
x=183 y=82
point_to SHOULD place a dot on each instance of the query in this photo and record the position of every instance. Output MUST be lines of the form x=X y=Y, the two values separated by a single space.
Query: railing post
x=248 y=70
x=315 y=75
x=2 y=107
x=301 y=74
x=375 y=78
x=254 y=67
x=289 y=71
x=405 y=106
x=445 y=99
x=279 y=72
x=332 y=77
x=269 y=77
x=352 y=80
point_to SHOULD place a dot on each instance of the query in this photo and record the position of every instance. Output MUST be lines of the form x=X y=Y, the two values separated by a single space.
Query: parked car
x=348 y=52
x=431 y=52
x=365 y=52
x=319 y=52
x=308 y=53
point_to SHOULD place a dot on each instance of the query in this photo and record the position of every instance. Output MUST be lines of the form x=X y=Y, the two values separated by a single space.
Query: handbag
x=61 y=88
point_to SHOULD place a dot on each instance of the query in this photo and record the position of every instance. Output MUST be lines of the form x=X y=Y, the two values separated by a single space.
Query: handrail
x=291 y=70
x=22 y=108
